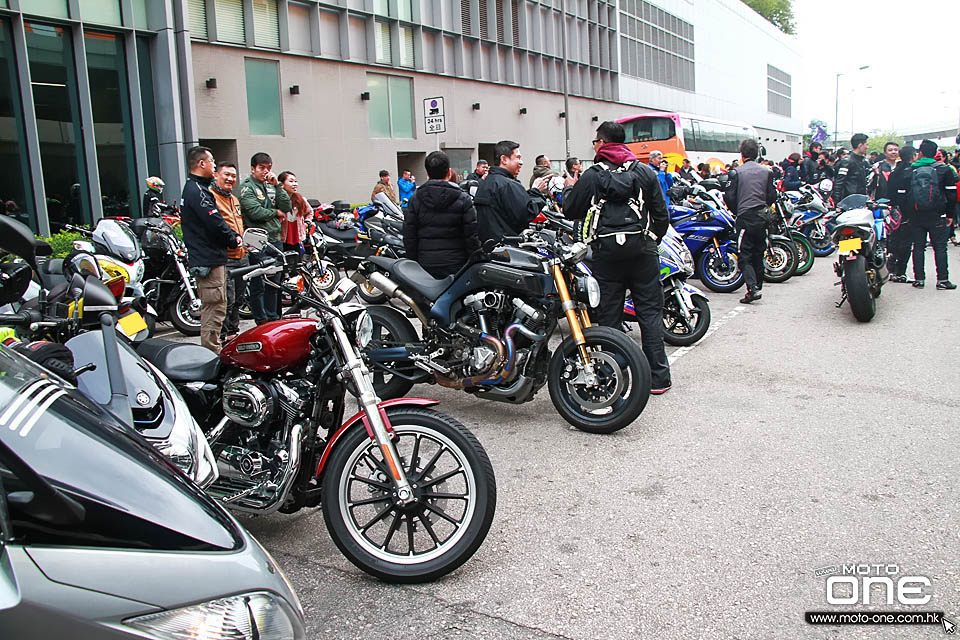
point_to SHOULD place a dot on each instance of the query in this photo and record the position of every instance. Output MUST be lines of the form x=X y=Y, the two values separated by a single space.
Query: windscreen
x=118 y=239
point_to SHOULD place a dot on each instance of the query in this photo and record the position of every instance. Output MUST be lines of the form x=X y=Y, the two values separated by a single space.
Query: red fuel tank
x=272 y=346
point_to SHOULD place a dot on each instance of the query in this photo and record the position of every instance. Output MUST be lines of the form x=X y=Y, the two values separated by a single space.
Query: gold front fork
x=570 y=310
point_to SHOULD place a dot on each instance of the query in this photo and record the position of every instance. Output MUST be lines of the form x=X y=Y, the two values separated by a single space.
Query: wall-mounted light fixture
x=595 y=118
x=563 y=114
x=211 y=83
x=365 y=95
x=476 y=106
x=295 y=90
x=523 y=111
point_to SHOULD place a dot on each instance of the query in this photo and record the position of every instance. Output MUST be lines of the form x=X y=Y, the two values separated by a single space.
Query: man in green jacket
x=263 y=205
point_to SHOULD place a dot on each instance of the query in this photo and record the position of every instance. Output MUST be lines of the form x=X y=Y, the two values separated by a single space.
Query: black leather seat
x=180 y=361
x=408 y=273
x=343 y=235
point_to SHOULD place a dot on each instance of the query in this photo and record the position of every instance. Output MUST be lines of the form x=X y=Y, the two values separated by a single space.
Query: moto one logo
x=862 y=584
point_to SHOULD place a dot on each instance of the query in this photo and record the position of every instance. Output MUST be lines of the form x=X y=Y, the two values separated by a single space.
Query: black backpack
x=615 y=215
x=926 y=192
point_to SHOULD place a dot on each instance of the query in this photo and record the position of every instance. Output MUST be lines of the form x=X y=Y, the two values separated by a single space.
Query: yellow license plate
x=132 y=324
x=852 y=244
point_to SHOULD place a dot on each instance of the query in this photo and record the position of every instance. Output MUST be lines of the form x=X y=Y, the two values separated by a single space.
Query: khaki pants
x=213 y=295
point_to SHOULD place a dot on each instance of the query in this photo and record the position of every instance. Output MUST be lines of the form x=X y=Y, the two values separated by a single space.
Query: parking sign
x=433 y=118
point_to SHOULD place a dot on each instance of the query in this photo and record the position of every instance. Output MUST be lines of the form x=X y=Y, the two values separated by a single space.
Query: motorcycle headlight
x=363 y=329
x=588 y=290
x=258 y=615
x=688 y=266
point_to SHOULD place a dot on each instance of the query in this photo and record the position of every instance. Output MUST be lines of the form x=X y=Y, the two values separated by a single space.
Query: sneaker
x=918 y=284
x=945 y=285
x=897 y=278
x=751 y=297
x=659 y=391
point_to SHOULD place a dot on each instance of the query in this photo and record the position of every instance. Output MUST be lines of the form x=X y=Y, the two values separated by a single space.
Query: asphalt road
x=794 y=438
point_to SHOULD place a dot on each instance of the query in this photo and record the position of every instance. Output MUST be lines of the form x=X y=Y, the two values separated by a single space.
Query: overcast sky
x=910 y=90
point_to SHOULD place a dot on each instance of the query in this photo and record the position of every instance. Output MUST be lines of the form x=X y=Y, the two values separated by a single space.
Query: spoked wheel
x=454 y=489
x=621 y=389
x=779 y=261
x=719 y=274
x=184 y=315
x=677 y=330
x=805 y=256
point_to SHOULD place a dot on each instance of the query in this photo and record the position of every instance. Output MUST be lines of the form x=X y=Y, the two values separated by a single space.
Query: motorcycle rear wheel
x=182 y=316
x=624 y=386
x=676 y=332
x=390 y=328
x=779 y=261
x=862 y=302
x=453 y=483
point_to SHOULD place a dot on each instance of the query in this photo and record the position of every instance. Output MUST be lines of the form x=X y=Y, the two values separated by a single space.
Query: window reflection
x=54 y=81
x=109 y=91
x=13 y=181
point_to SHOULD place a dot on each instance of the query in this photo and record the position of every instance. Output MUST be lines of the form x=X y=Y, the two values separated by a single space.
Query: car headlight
x=589 y=288
x=250 y=616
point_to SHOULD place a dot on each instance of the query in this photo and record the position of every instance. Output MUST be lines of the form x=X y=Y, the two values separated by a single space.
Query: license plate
x=132 y=324
x=851 y=244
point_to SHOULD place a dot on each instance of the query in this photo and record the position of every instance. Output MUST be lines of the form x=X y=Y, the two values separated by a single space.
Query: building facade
x=100 y=94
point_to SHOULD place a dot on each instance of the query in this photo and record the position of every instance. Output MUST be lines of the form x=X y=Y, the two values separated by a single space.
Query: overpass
x=931 y=133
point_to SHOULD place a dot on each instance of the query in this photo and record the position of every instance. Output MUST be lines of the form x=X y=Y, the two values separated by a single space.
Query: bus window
x=650 y=129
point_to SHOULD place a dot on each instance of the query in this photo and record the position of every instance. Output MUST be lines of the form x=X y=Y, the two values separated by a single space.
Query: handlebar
x=19 y=319
x=267 y=267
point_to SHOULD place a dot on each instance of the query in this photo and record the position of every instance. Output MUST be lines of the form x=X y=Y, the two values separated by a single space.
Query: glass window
x=140 y=15
x=263 y=97
x=298 y=27
x=380 y=7
x=147 y=102
x=101 y=11
x=406 y=47
x=230 y=26
x=650 y=129
x=53 y=78
x=401 y=107
x=405 y=10
x=14 y=182
x=52 y=8
x=266 y=28
x=382 y=41
x=109 y=91
x=390 y=106
x=197 y=18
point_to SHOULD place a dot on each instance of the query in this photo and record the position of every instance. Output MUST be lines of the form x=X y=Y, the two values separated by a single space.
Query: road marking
x=714 y=326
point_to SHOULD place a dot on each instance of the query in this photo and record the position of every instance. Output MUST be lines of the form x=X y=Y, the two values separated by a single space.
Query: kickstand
x=842 y=300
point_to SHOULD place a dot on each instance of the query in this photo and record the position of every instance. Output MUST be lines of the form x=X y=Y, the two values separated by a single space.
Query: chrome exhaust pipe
x=392 y=290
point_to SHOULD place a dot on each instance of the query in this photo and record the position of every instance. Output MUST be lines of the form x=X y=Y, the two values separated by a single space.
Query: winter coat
x=205 y=232
x=259 y=203
x=504 y=207
x=440 y=228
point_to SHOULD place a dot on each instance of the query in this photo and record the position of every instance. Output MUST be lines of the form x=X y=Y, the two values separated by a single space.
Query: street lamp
x=836 y=106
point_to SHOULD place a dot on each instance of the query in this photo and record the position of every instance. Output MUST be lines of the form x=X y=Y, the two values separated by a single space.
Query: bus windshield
x=649 y=129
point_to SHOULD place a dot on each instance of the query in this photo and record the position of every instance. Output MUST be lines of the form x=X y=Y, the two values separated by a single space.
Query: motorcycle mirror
x=490 y=245
x=255 y=238
x=84 y=245
x=97 y=296
x=14 y=280
x=18 y=239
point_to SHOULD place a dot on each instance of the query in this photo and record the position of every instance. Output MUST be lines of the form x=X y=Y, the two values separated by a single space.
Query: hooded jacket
x=596 y=183
x=947 y=177
x=504 y=207
x=440 y=228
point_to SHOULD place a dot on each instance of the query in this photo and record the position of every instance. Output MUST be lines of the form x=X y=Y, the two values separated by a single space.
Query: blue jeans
x=263 y=300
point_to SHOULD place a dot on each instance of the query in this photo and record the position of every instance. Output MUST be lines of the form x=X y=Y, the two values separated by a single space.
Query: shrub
x=62 y=242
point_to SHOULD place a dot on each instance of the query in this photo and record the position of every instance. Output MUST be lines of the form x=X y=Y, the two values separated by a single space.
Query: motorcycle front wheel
x=805 y=256
x=717 y=274
x=821 y=243
x=370 y=294
x=453 y=484
x=779 y=261
x=183 y=316
x=623 y=381
x=677 y=330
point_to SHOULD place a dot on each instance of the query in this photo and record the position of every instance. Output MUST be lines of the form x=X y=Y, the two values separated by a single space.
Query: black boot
x=752 y=295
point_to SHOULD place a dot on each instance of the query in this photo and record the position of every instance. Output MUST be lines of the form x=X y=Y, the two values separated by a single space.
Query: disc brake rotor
x=612 y=383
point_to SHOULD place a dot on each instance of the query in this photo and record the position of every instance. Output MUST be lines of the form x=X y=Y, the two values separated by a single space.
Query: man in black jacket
x=931 y=215
x=879 y=185
x=851 y=172
x=632 y=220
x=900 y=240
x=751 y=190
x=207 y=237
x=810 y=168
x=504 y=207
x=440 y=223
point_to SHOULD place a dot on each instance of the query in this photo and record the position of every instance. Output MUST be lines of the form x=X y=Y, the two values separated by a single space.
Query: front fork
x=185 y=277
x=377 y=423
x=578 y=319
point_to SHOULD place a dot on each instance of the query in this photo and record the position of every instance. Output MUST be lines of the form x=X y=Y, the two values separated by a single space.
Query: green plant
x=62 y=242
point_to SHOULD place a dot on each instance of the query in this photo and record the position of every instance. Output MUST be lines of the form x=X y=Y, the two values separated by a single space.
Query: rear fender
x=358 y=419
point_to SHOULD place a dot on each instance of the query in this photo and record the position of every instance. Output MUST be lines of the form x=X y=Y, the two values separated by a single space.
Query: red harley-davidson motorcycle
x=408 y=493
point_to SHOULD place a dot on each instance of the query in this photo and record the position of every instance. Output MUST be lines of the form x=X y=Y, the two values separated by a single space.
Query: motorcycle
x=861 y=239
x=408 y=494
x=785 y=252
x=486 y=331
x=810 y=217
x=80 y=313
x=167 y=283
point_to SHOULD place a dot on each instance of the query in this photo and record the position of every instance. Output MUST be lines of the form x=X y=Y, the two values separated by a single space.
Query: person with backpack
x=932 y=197
x=622 y=213
x=900 y=240
x=751 y=190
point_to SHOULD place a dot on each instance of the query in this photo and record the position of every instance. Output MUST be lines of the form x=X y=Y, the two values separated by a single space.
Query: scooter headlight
x=250 y=616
